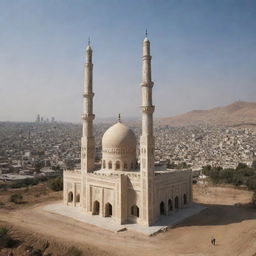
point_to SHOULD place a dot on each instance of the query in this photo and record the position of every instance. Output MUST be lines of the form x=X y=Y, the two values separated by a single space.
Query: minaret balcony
x=149 y=84
x=148 y=109
x=88 y=117
x=88 y=95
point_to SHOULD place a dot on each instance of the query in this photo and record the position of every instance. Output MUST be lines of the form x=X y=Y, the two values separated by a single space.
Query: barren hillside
x=237 y=113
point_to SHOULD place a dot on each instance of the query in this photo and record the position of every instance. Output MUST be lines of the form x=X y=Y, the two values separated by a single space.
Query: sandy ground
x=228 y=218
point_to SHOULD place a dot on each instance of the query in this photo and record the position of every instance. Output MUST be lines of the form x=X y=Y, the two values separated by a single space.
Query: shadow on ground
x=215 y=214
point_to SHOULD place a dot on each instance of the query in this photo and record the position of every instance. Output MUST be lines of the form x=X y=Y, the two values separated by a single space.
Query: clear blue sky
x=204 y=55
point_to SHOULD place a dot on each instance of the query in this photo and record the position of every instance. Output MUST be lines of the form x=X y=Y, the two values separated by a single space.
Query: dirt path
x=234 y=227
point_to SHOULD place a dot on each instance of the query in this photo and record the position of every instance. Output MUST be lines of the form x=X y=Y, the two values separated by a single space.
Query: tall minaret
x=147 y=144
x=87 y=141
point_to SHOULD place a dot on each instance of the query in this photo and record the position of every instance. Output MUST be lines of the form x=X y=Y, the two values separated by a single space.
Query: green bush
x=251 y=183
x=56 y=184
x=6 y=240
x=16 y=198
x=254 y=199
x=36 y=252
x=73 y=251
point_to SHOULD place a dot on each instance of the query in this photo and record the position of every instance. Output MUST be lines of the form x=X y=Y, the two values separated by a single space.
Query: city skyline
x=203 y=56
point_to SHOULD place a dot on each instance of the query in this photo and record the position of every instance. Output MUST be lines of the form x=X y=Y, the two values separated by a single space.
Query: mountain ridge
x=236 y=113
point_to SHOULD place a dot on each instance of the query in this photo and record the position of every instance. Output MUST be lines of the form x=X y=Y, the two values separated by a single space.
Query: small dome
x=119 y=136
x=88 y=48
x=146 y=39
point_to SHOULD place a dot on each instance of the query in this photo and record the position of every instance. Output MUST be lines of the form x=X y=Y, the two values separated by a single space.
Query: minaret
x=87 y=141
x=147 y=144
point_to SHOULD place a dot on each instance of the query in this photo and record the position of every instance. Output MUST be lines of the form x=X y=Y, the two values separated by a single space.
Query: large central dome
x=118 y=136
x=119 y=148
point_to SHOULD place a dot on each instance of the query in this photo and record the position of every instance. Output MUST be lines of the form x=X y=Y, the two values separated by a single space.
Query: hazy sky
x=204 y=55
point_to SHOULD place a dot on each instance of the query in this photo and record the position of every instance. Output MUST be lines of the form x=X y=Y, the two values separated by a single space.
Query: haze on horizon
x=204 y=55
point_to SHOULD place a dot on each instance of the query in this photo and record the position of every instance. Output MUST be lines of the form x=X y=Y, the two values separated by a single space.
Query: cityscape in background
x=45 y=147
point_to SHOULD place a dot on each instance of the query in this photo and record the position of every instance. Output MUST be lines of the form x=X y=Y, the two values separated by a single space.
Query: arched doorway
x=96 y=208
x=109 y=165
x=176 y=202
x=162 y=208
x=70 y=197
x=117 y=165
x=108 y=210
x=169 y=205
x=185 y=199
x=135 y=211
x=78 y=198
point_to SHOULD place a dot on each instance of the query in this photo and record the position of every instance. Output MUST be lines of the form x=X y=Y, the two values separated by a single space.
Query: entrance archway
x=185 y=199
x=96 y=208
x=135 y=211
x=108 y=210
x=162 y=208
x=70 y=197
x=176 y=202
x=169 y=205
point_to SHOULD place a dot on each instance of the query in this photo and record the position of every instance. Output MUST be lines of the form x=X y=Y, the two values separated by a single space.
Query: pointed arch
x=70 y=197
x=96 y=208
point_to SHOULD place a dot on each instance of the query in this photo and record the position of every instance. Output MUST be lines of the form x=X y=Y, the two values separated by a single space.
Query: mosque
x=122 y=189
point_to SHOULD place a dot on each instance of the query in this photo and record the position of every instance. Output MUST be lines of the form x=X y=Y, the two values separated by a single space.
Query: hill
x=235 y=114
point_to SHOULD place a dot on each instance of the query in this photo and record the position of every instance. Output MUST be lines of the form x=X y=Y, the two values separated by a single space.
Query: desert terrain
x=240 y=113
x=228 y=217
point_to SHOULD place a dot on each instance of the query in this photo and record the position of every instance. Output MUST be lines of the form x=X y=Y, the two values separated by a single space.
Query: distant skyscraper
x=38 y=118
x=53 y=119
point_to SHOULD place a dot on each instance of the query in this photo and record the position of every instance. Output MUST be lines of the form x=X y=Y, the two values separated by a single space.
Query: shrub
x=73 y=251
x=251 y=183
x=36 y=252
x=254 y=199
x=6 y=240
x=16 y=198
x=56 y=184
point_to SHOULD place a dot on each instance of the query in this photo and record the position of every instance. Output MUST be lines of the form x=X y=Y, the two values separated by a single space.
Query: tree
x=56 y=184
x=16 y=198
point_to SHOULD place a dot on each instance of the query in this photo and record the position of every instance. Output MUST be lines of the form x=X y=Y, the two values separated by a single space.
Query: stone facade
x=122 y=189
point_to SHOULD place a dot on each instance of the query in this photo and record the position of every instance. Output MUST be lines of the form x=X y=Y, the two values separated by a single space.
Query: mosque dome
x=118 y=136
x=119 y=148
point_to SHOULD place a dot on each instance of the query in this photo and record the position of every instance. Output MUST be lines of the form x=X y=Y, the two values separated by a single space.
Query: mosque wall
x=72 y=187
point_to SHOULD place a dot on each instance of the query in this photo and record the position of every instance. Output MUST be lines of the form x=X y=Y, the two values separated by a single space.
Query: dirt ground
x=228 y=218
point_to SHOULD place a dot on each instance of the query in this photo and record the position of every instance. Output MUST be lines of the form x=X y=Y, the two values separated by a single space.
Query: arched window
x=125 y=165
x=169 y=205
x=131 y=165
x=184 y=199
x=135 y=211
x=176 y=202
x=96 y=208
x=109 y=165
x=108 y=210
x=117 y=165
x=78 y=198
x=103 y=164
x=70 y=197
x=162 y=208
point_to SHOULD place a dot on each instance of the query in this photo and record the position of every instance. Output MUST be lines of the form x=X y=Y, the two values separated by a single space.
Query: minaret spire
x=88 y=142
x=147 y=139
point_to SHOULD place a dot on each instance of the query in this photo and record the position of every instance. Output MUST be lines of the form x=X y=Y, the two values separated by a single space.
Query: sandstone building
x=122 y=189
